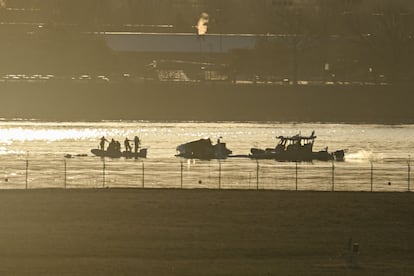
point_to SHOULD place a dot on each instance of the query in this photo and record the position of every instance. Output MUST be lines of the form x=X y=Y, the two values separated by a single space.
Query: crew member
x=137 y=142
x=127 y=145
x=102 y=143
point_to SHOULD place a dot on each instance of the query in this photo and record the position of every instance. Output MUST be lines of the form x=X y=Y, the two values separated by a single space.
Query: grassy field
x=204 y=232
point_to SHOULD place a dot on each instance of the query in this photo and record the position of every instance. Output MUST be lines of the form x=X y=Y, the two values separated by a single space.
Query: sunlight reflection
x=49 y=135
x=5 y=151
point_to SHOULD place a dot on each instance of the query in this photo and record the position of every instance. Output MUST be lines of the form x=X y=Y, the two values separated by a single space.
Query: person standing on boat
x=102 y=143
x=117 y=146
x=112 y=145
x=127 y=145
x=137 y=142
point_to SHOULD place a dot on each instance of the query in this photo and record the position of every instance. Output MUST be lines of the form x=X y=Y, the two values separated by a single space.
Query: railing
x=20 y=173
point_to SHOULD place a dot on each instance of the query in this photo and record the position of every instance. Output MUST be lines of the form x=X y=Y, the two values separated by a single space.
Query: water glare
x=45 y=144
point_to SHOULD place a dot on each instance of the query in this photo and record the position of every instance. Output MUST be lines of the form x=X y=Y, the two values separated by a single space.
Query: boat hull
x=203 y=149
x=338 y=155
x=117 y=154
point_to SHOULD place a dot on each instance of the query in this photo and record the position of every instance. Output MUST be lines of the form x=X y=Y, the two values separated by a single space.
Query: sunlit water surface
x=44 y=144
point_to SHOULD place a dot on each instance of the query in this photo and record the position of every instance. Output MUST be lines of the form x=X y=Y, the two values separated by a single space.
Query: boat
x=203 y=149
x=296 y=148
x=118 y=154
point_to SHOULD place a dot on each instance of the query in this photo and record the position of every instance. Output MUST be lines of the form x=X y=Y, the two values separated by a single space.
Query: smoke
x=2 y=3
x=202 y=24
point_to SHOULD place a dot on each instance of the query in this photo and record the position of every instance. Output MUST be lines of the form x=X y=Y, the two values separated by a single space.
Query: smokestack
x=202 y=24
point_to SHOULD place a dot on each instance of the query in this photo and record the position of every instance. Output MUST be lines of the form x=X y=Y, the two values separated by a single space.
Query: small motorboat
x=142 y=153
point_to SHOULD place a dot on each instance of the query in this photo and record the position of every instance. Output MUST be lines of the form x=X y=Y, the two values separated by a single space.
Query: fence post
x=333 y=175
x=296 y=174
x=372 y=176
x=103 y=172
x=182 y=170
x=143 y=175
x=64 y=183
x=27 y=173
x=409 y=173
x=219 y=174
x=257 y=174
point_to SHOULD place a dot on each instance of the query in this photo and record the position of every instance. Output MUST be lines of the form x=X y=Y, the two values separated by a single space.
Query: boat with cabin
x=296 y=148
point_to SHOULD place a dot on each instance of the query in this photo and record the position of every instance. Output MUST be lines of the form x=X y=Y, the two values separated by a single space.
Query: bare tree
x=387 y=32
x=294 y=25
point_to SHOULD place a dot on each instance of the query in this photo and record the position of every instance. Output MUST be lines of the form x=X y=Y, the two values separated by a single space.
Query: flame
x=202 y=24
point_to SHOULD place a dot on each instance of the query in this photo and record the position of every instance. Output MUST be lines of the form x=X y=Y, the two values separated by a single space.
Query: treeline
x=362 y=42
x=227 y=16
x=314 y=39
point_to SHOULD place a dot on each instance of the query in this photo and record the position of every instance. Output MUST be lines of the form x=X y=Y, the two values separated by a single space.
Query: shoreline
x=34 y=120
x=178 y=189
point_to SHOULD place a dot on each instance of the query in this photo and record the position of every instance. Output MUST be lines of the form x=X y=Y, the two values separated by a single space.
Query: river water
x=32 y=155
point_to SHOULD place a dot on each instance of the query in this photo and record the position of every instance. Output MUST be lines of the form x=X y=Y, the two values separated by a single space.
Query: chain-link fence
x=237 y=173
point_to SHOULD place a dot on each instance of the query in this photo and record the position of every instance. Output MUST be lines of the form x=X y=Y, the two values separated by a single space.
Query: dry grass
x=204 y=232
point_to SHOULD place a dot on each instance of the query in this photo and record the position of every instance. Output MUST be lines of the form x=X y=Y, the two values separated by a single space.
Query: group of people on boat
x=290 y=148
x=115 y=146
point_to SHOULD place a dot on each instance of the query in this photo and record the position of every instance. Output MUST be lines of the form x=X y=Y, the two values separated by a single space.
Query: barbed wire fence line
x=243 y=174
